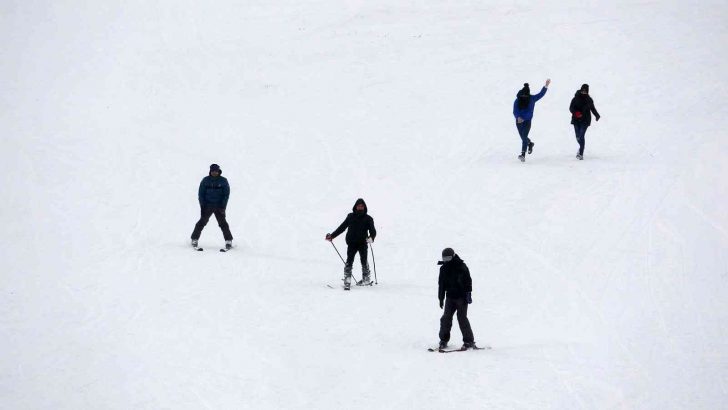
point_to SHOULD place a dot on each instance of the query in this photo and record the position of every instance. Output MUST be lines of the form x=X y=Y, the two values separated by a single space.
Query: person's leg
x=205 y=214
x=583 y=139
x=446 y=320
x=463 y=322
x=350 y=254
x=222 y=222
x=363 y=256
x=579 y=137
x=523 y=130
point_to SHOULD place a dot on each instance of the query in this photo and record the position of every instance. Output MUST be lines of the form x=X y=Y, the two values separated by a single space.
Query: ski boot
x=443 y=345
x=365 y=281
x=579 y=157
x=347 y=282
x=522 y=157
x=468 y=345
x=228 y=245
x=194 y=243
x=530 y=147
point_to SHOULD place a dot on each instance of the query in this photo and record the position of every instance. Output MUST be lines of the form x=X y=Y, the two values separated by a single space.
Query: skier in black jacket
x=361 y=232
x=213 y=195
x=455 y=283
x=581 y=108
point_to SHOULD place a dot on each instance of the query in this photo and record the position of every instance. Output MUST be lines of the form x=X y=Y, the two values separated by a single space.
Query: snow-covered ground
x=600 y=283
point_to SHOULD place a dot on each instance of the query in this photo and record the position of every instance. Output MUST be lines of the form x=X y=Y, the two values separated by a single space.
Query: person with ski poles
x=213 y=195
x=455 y=294
x=523 y=108
x=360 y=234
x=581 y=108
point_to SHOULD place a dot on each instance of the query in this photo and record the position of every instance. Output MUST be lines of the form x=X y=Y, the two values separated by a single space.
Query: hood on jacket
x=359 y=201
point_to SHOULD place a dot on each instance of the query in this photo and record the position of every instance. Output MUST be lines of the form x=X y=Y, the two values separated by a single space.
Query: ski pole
x=342 y=260
x=337 y=252
x=374 y=262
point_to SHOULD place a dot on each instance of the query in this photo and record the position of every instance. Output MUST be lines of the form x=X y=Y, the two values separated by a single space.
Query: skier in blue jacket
x=213 y=195
x=523 y=112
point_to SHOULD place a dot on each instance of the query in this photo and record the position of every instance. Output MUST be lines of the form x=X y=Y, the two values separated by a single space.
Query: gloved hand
x=598 y=117
x=519 y=120
x=370 y=239
x=441 y=303
x=328 y=237
x=469 y=297
x=577 y=114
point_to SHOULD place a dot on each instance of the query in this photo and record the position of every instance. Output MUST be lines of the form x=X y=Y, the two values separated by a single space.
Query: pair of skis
x=349 y=288
x=200 y=249
x=462 y=349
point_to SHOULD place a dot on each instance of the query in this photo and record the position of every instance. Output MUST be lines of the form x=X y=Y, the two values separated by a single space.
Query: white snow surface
x=600 y=283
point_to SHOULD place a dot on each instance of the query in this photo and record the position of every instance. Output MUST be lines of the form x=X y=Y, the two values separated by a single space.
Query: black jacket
x=454 y=279
x=360 y=225
x=213 y=192
x=584 y=104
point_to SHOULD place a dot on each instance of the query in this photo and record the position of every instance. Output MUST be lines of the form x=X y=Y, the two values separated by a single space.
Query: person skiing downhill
x=213 y=196
x=455 y=283
x=523 y=108
x=581 y=108
x=361 y=232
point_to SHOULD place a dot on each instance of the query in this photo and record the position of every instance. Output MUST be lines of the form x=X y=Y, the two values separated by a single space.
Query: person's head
x=360 y=206
x=584 y=89
x=525 y=90
x=215 y=170
x=447 y=255
x=524 y=96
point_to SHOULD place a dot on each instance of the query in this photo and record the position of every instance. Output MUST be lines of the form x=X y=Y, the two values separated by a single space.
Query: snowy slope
x=600 y=283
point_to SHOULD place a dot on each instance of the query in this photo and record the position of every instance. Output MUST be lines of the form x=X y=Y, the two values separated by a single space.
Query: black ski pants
x=523 y=129
x=351 y=251
x=459 y=305
x=205 y=214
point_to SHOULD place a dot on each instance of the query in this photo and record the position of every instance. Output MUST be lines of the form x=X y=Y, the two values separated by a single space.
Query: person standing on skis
x=361 y=232
x=581 y=108
x=523 y=112
x=455 y=283
x=213 y=196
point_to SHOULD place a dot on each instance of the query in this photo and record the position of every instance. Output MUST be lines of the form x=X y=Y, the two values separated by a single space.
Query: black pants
x=460 y=306
x=523 y=129
x=351 y=251
x=580 y=131
x=205 y=214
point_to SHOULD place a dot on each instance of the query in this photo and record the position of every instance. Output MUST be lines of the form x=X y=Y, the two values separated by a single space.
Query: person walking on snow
x=213 y=195
x=455 y=283
x=581 y=108
x=523 y=112
x=361 y=232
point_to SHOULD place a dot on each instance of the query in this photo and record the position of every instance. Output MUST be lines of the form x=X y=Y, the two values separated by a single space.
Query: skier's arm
x=341 y=228
x=468 y=281
x=594 y=111
x=372 y=229
x=572 y=106
x=440 y=287
x=201 y=193
x=225 y=194
x=515 y=108
x=541 y=94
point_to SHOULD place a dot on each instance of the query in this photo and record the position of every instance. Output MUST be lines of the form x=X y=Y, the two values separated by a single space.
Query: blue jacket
x=214 y=192
x=527 y=113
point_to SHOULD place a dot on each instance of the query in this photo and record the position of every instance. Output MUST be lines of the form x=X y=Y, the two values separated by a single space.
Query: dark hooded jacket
x=360 y=225
x=213 y=192
x=454 y=279
x=584 y=104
